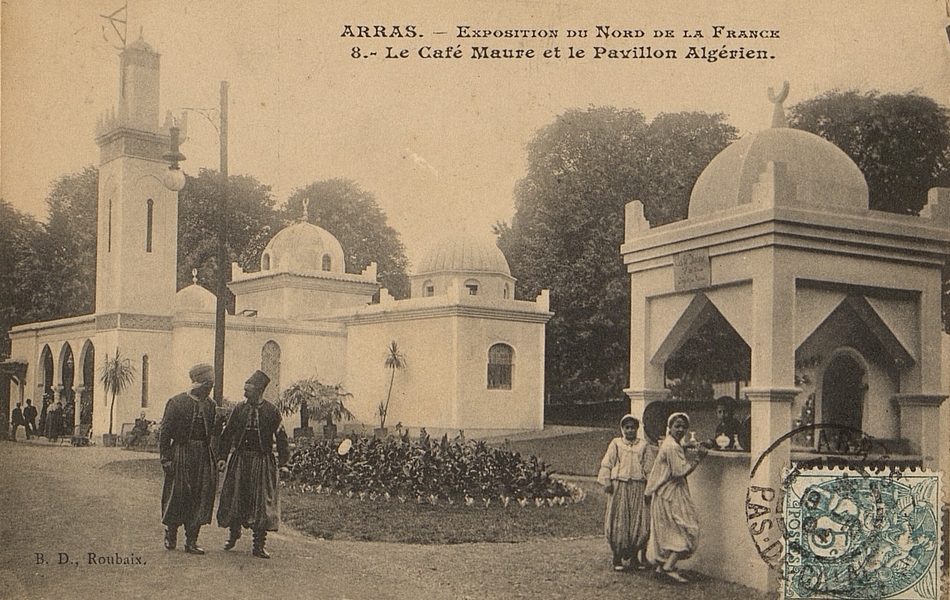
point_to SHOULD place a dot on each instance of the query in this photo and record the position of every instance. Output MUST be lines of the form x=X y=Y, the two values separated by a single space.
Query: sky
x=439 y=141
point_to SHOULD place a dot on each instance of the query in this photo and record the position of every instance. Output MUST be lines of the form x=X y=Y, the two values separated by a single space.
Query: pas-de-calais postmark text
x=851 y=534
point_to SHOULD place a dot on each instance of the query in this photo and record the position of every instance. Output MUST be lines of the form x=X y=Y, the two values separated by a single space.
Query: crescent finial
x=778 y=113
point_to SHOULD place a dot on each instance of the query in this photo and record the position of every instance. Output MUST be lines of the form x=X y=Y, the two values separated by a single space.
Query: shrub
x=426 y=471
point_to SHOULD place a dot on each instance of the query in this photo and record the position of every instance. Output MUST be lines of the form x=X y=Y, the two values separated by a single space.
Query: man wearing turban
x=249 y=493
x=185 y=447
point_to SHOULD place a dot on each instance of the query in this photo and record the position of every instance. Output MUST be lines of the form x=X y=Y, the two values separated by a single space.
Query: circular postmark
x=850 y=524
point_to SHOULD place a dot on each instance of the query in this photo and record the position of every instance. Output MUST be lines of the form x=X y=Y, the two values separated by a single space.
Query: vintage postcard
x=459 y=241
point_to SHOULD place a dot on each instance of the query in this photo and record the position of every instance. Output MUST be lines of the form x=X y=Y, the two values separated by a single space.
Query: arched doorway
x=68 y=396
x=88 y=369
x=45 y=386
x=842 y=400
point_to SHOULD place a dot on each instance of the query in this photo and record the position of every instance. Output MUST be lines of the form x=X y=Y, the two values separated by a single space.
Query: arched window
x=145 y=381
x=270 y=365
x=472 y=286
x=428 y=289
x=148 y=224
x=109 y=228
x=504 y=292
x=326 y=263
x=265 y=262
x=500 y=362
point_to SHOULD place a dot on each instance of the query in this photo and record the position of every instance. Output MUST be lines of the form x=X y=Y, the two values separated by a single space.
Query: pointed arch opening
x=270 y=365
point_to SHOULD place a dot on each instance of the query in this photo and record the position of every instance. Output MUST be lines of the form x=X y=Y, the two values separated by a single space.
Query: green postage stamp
x=854 y=534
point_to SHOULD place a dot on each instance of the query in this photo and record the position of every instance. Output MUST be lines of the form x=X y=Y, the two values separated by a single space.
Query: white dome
x=464 y=254
x=817 y=174
x=303 y=248
x=195 y=298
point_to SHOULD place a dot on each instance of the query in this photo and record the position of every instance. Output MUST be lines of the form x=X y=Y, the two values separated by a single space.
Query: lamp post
x=174 y=180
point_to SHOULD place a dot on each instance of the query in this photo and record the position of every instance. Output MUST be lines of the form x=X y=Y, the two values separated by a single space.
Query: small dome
x=815 y=173
x=464 y=254
x=195 y=298
x=303 y=248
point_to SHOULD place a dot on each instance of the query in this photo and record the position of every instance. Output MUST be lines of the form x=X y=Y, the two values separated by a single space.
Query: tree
x=569 y=223
x=116 y=374
x=20 y=271
x=251 y=222
x=395 y=361
x=355 y=219
x=901 y=142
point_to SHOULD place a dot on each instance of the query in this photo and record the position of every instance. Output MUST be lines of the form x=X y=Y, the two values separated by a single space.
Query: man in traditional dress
x=185 y=447
x=16 y=420
x=249 y=492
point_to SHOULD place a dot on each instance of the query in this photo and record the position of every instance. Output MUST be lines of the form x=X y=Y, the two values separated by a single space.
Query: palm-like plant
x=395 y=360
x=115 y=374
x=311 y=397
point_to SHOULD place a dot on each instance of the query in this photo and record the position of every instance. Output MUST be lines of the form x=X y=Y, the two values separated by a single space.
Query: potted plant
x=395 y=360
x=318 y=400
x=116 y=374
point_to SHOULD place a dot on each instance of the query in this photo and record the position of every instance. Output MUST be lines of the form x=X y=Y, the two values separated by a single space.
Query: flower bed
x=427 y=471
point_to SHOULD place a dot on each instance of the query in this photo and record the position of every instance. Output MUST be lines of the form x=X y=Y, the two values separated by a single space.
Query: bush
x=426 y=471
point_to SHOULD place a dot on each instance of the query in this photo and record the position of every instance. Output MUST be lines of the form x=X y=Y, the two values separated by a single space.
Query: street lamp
x=174 y=180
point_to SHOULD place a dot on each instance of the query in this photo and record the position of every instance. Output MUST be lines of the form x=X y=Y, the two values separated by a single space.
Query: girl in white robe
x=623 y=473
x=674 y=526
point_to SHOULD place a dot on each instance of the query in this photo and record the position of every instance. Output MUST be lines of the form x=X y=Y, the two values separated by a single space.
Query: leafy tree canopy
x=251 y=222
x=569 y=224
x=901 y=142
x=20 y=271
x=355 y=219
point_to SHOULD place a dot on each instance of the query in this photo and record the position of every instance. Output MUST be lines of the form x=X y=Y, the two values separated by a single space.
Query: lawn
x=338 y=517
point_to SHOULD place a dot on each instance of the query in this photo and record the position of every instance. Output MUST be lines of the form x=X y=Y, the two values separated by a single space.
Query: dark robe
x=249 y=495
x=186 y=440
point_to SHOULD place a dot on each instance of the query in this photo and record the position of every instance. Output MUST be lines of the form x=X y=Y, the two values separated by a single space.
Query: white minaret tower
x=137 y=243
x=138 y=216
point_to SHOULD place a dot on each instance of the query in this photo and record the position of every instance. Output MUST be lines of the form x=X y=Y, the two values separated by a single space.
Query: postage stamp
x=854 y=534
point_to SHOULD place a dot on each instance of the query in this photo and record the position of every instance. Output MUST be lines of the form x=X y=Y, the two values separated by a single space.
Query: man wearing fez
x=188 y=460
x=249 y=492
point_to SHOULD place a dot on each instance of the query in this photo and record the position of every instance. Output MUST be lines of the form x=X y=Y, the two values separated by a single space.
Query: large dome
x=466 y=254
x=195 y=298
x=815 y=173
x=303 y=248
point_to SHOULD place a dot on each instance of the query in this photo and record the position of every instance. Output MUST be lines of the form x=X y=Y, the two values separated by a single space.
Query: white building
x=474 y=355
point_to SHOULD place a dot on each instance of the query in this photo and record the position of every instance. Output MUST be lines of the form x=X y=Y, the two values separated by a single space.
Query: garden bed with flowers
x=423 y=490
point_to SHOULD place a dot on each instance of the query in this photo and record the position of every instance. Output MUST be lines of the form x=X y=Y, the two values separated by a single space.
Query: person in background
x=16 y=419
x=674 y=526
x=29 y=419
x=54 y=422
x=185 y=449
x=623 y=473
x=140 y=430
x=249 y=494
x=728 y=425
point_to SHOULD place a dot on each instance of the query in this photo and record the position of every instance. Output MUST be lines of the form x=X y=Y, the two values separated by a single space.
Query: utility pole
x=224 y=265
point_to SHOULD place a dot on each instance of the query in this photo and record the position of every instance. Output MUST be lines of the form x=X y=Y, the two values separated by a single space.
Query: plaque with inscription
x=691 y=270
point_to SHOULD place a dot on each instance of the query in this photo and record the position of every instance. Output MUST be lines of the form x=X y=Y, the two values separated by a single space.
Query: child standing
x=623 y=473
x=674 y=525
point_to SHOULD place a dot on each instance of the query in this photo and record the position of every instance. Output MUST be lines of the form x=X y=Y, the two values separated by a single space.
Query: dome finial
x=306 y=212
x=778 y=114
x=194 y=276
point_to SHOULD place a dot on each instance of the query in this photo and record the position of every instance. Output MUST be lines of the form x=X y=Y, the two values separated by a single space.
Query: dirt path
x=61 y=500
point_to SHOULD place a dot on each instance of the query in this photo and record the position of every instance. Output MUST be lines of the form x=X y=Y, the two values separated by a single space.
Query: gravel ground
x=59 y=500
